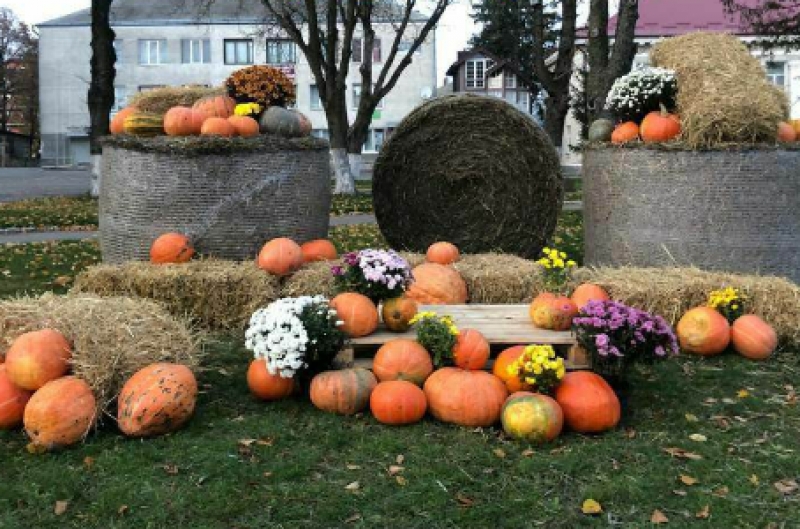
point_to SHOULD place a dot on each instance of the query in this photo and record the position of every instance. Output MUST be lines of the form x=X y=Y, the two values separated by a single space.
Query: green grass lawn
x=61 y=212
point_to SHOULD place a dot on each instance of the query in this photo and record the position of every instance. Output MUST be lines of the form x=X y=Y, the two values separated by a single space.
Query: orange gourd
x=171 y=248
x=551 y=312
x=398 y=402
x=786 y=132
x=345 y=392
x=588 y=292
x=500 y=369
x=588 y=402
x=35 y=358
x=280 y=257
x=703 y=331
x=117 y=125
x=156 y=400
x=444 y=253
x=245 y=126
x=357 y=312
x=12 y=401
x=266 y=386
x=659 y=127
x=753 y=338
x=467 y=398
x=625 y=132
x=532 y=417
x=318 y=250
x=402 y=359
x=60 y=413
x=471 y=350
x=216 y=106
x=183 y=121
x=436 y=284
x=398 y=312
x=218 y=127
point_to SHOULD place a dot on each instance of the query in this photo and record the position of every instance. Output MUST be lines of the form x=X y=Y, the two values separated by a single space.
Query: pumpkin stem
x=664 y=112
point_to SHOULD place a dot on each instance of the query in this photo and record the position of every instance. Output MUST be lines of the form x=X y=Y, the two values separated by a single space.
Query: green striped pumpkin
x=144 y=124
x=345 y=392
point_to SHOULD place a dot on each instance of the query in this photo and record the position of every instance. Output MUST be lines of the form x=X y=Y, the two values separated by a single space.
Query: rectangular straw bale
x=159 y=100
x=500 y=278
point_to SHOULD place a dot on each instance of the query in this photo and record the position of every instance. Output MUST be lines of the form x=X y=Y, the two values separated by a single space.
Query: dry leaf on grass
x=721 y=492
x=499 y=452
x=786 y=486
x=688 y=480
x=698 y=437
x=704 y=513
x=464 y=501
x=691 y=417
x=60 y=508
x=658 y=517
x=401 y=481
x=682 y=454
x=395 y=469
x=353 y=467
x=754 y=480
x=591 y=506
x=400 y=459
x=355 y=485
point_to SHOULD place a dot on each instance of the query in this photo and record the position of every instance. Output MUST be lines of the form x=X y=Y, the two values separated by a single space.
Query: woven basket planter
x=228 y=196
x=735 y=210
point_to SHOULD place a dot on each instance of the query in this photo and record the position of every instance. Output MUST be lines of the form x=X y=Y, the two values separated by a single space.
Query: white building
x=167 y=42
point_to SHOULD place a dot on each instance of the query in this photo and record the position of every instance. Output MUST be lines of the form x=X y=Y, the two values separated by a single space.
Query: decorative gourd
x=467 y=398
x=500 y=369
x=703 y=331
x=436 y=284
x=245 y=126
x=588 y=292
x=659 y=127
x=625 y=132
x=444 y=253
x=753 y=338
x=786 y=132
x=357 y=312
x=144 y=124
x=35 y=358
x=601 y=130
x=216 y=106
x=156 y=400
x=402 y=359
x=117 y=125
x=280 y=257
x=588 y=402
x=318 y=250
x=60 y=413
x=265 y=385
x=284 y=122
x=218 y=127
x=471 y=350
x=532 y=417
x=12 y=401
x=171 y=248
x=555 y=313
x=397 y=313
x=398 y=402
x=345 y=392
x=183 y=121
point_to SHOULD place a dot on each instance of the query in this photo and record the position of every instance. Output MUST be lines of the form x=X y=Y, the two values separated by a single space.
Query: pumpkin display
x=143 y=124
x=601 y=130
x=795 y=123
x=659 y=127
x=786 y=132
x=471 y=350
x=397 y=313
x=245 y=126
x=398 y=402
x=183 y=121
x=216 y=106
x=588 y=292
x=588 y=402
x=555 y=313
x=60 y=413
x=625 y=132
x=156 y=400
x=500 y=369
x=35 y=358
x=266 y=386
x=12 y=401
x=436 y=284
x=532 y=417
x=466 y=398
x=753 y=338
x=345 y=392
x=402 y=359
x=703 y=331
x=117 y=125
x=171 y=248
x=444 y=253
x=218 y=127
x=284 y=122
x=318 y=250
x=280 y=257
x=357 y=312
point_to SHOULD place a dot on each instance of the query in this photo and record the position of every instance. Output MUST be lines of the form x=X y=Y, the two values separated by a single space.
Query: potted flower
x=377 y=274
x=552 y=309
x=261 y=84
x=438 y=335
x=538 y=369
x=729 y=302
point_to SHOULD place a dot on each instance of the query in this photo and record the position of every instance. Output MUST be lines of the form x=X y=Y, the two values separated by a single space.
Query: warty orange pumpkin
x=436 y=284
x=466 y=398
x=183 y=121
x=398 y=312
x=171 y=248
x=551 y=312
x=216 y=106
x=588 y=292
x=471 y=350
x=703 y=331
x=533 y=417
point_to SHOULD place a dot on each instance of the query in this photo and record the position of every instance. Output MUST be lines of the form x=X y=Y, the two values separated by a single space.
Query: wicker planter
x=229 y=196
x=735 y=211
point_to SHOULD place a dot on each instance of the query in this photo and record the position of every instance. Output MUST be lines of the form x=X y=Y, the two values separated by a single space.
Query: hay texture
x=471 y=170
x=723 y=93
x=215 y=294
x=112 y=338
x=159 y=100
x=500 y=278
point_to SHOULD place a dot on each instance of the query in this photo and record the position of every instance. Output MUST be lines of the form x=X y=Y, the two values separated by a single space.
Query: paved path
x=18 y=183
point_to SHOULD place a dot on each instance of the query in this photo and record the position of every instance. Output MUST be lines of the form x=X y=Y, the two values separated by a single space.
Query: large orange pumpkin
x=398 y=402
x=588 y=402
x=467 y=398
x=753 y=338
x=588 y=292
x=555 y=313
x=265 y=385
x=398 y=312
x=245 y=126
x=444 y=253
x=60 y=413
x=37 y=357
x=280 y=257
x=471 y=350
x=218 y=127
x=436 y=284
x=171 y=248
x=157 y=399
x=625 y=132
x=117 y=125
x=533 y=417
x=12 y=401
x=345 y=392
x=357 y=312
x=402 y=359
x=318 y=250
x=183 y=121
x=703 y=331
x=216 y=106
x=659 y=127
x=786 y=132
x=500 y=369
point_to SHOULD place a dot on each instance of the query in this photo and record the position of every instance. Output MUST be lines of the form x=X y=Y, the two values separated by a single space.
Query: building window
x=238 y=51
x=476 y=72
x=357 y=49
x=316 y=102
x=378 y=139
x=776 y=73
x=280 y=51
x=120 y=98
x=153 y=51
x=523 y=101
x=376 y=50
x=195 y=51
x=511 y=80
x=320 y=133
x=405 y=45
x=357 y=97
x=118 y=49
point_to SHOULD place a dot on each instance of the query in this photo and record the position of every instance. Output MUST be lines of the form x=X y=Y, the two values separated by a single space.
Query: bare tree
x=101 y=86
x=777 y=21
x=16 y=42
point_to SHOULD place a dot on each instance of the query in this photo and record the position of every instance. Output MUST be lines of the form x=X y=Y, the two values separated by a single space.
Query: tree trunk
x=101 y=87
x=555 y=115
x=336 y=113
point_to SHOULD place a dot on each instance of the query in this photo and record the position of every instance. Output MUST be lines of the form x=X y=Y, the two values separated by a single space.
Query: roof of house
x=464 y=55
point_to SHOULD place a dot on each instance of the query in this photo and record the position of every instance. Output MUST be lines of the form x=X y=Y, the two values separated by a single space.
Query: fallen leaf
x=356 y=517
x=591 y=506
x=754 y=480
x=171 y=469
x=711 y=400
x=267 y=474
x=122 y=509
x=704 y=513
x=353 y=486
x=401 y=480
x=246 y=442
x=728 y=401
x=658 y=517
x=61 y=507
x=682 y=454
x=721 y=492
x=464 y=501
x=630 y=433
x=265 y=441
x=688 y=480
x=395 y=469
x=698 y=437
x=353 y=467
x=399 y=459
x=88 y=462
x=786 y=486
x=224 y=372
x=528 y=452
x=499 y=452
x=742 y=393
x=691 y=417
x=679 y=492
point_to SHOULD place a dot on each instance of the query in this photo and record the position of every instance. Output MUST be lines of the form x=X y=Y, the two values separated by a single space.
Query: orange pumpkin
x=436 y=284
x=12 y=401
x=786 y=132
x=280 y=257
x=555 y=313
x=266 y=386
x=183 y=121
x=357 y=312
x=117 y=125
x=753 y=338
x=533 y=417
x=659 y=127
x=625 y=132
x=471 y=350
x=467 y=398
x=245 y=126
x=216 y=106
x=703 y=331
x=795 y=123
x=397 y=313
x=444 y=253
x=588 y=402
x=500 y=369
x=171 y=248
x=398 y=402
x=60 y=413
x=156 y=400
x=402 y=359
x=345 y=392
x=218 y=127
x=37 y=357
x=588 y=292
x=318 y=250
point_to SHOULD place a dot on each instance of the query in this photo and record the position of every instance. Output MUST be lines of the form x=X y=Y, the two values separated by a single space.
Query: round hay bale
x=471 y=170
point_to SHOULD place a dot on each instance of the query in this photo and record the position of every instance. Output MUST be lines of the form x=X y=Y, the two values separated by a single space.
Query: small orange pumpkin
x=117 y=125
x=444 y=253
x=753 y=338
x=436 y=284
x=471 y=350
x=659 y=127
x=402 y=359
x=588 y=292
x=398 y=402
x=218 y=127
x=35 y=358
x=625 y=132
x=467 y=398
x=12 y=401
x=555 y=313
x=245 y=126
x=345 y=392
x=533 y=417
x=357 y=312
x=786 y=132
x=266 y=386
x=588 y=402
x=216 y=106
x=280 y=257
x=60 y=413
x=318 y=250
x=703 y=331
x=500 y=369
x=183 y=121
x=398 y=312
x=171 y=248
